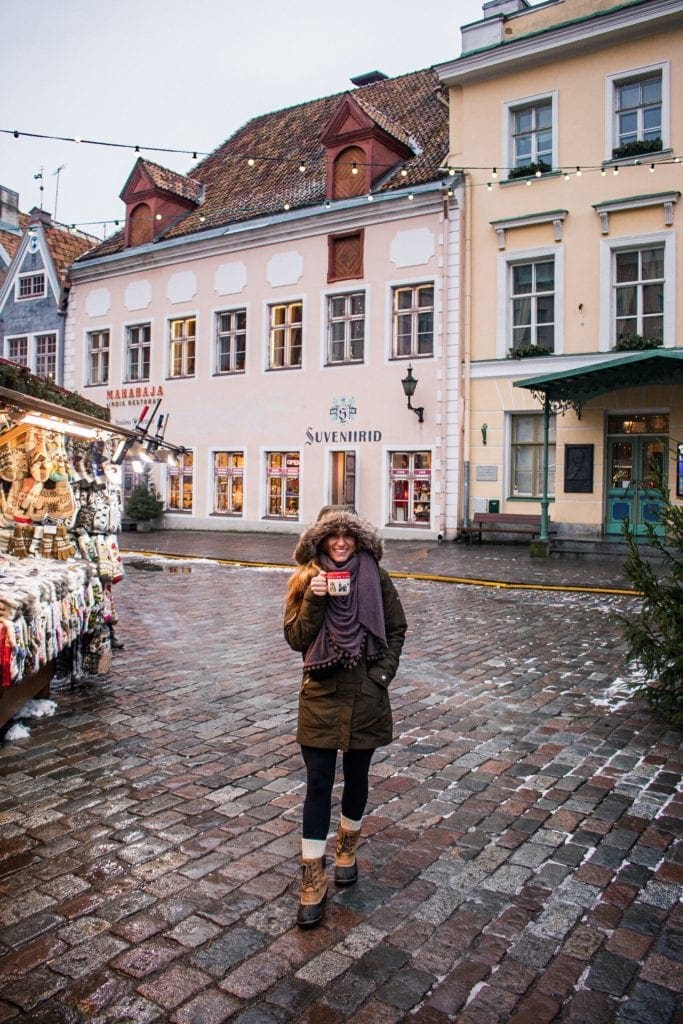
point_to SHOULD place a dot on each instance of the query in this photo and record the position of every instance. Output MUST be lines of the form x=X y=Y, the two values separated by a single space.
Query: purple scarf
x=354 y=624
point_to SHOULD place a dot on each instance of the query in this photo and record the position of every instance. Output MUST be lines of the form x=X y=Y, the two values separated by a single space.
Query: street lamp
x=409 y=384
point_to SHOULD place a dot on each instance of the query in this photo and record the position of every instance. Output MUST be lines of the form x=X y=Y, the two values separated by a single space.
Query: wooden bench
x=501 y=522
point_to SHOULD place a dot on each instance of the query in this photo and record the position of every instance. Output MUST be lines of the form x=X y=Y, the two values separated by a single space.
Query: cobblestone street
x=518 y=862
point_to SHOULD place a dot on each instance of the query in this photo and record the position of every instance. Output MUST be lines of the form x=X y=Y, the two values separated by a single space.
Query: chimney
x=369 y=78
x=40 y=217
x=9 y=210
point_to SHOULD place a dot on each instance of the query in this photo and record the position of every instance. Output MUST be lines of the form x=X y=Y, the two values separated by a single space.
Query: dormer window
x=140 y=229
x=156 y=199
x=363 y=144
x=350 y=173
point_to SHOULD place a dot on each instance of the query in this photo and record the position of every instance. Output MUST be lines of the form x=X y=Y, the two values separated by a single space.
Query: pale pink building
x=274 y=301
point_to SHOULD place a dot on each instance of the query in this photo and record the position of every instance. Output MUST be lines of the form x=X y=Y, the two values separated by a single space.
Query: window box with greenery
x=529 y=170
x=637 y=148
x=528 y=351
x=636 y=343
x=144 y=505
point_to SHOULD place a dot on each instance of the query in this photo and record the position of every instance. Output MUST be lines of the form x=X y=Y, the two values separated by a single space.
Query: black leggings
x=320 y=769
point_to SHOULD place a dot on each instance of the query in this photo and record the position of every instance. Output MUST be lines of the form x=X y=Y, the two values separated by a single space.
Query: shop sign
x=342 y=436
x=138 y=395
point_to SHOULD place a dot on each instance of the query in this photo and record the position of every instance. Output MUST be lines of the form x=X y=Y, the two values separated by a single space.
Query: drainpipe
x=466 y=279
x=444 y=364
x=544 y=535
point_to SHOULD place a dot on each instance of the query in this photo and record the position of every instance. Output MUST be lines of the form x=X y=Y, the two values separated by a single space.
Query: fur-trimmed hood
x=332 y=520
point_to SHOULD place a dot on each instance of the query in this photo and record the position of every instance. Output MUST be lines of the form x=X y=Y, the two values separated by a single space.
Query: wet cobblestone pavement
x=518 y=863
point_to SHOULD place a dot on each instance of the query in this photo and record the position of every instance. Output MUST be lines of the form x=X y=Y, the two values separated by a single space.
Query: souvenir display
x=60 y=512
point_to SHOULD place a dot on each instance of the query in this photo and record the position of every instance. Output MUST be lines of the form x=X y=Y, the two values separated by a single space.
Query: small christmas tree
x=655 y=633
x=144 y=503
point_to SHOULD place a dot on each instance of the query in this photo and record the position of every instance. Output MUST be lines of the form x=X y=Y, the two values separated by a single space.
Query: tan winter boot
x=345 y=866
x=313 y=892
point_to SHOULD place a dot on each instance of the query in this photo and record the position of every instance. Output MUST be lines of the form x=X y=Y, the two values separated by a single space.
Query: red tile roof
x=410 y=107
x=171 y=181
x=66 y=245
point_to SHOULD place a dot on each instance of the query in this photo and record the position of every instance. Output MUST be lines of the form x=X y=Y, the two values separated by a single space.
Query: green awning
x=634 y=369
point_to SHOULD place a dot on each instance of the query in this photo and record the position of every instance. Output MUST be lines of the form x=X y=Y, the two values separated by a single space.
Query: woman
x=351 y=644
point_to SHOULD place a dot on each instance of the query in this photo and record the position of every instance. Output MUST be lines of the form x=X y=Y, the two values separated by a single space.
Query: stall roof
x=29 y=403
x=634 y=369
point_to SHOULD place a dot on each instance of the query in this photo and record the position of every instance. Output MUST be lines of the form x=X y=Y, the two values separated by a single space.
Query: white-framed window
x=410 y=488
x=285 y=335
x=529 y=134
x=637 y=289
x=231 y=341
x=30 y=286
x=46 y=355
x=17 y=350
x=283 y=470
x=413 y=320
x=98 y=357
x=38 y=352
x=529 y=312
x=532 y=299
x=346 y=328
x=637 y=111
x=182 y=334
x=639 y=292
x=180 y=483
x=526 y=455
x=228 y=483
x=138 y=351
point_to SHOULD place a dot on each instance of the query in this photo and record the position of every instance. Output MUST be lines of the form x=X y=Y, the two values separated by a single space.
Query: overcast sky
x=183 y=75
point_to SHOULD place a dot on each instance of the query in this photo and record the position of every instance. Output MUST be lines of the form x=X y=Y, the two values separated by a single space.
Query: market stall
x=60 y=512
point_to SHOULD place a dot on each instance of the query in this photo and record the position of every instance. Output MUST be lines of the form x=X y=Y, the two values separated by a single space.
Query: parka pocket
x=318 y=687
x=369 y=688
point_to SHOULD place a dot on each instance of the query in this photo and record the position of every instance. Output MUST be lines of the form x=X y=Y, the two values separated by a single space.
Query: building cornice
x=563 y=40
x=340 y=216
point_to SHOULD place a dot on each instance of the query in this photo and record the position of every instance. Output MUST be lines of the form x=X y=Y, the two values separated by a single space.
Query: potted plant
x=144 y=505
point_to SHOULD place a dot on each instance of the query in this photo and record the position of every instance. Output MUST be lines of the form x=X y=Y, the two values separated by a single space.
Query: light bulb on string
x=302 y=167
x=652 y=168
x=566 y=175
x=615 y=172
x=538 y=172
x=603 y=172
x=250 y=162
x=494 y=173
x=578 y=172
x=354 y=168
x=404 y=173
x=489 y=185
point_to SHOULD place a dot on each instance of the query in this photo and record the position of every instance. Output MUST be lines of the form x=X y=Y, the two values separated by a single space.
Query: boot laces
x=346 y=843
x=309 y=880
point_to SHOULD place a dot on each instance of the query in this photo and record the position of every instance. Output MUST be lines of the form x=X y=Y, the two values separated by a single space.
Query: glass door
x=635 y=464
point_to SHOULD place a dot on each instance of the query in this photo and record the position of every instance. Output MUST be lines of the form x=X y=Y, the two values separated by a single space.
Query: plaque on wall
x=489 y=473
x=578 y=468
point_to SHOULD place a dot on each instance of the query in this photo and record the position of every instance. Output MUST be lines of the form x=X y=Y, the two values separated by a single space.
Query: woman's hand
x=319 y=584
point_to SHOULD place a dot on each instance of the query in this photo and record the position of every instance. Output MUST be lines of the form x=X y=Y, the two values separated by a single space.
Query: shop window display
x=282 y=485
x=228 y=475
x=411 y=488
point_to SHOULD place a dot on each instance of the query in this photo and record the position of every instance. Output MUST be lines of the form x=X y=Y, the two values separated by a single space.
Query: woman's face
x=340 y=547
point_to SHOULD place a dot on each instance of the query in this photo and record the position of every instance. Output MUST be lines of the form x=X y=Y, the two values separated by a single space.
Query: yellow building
x=564 y=120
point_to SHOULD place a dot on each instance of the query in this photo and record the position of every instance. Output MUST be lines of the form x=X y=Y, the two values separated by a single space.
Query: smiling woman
x=343 y=614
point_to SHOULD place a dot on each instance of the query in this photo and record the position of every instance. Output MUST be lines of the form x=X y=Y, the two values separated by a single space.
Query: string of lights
x=494 y=175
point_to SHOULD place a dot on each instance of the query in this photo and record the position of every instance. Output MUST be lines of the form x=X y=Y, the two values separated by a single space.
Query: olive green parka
x=348 y=709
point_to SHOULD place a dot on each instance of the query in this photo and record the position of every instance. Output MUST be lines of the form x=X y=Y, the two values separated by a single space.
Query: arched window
x=350 y=173
x=140 y=225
